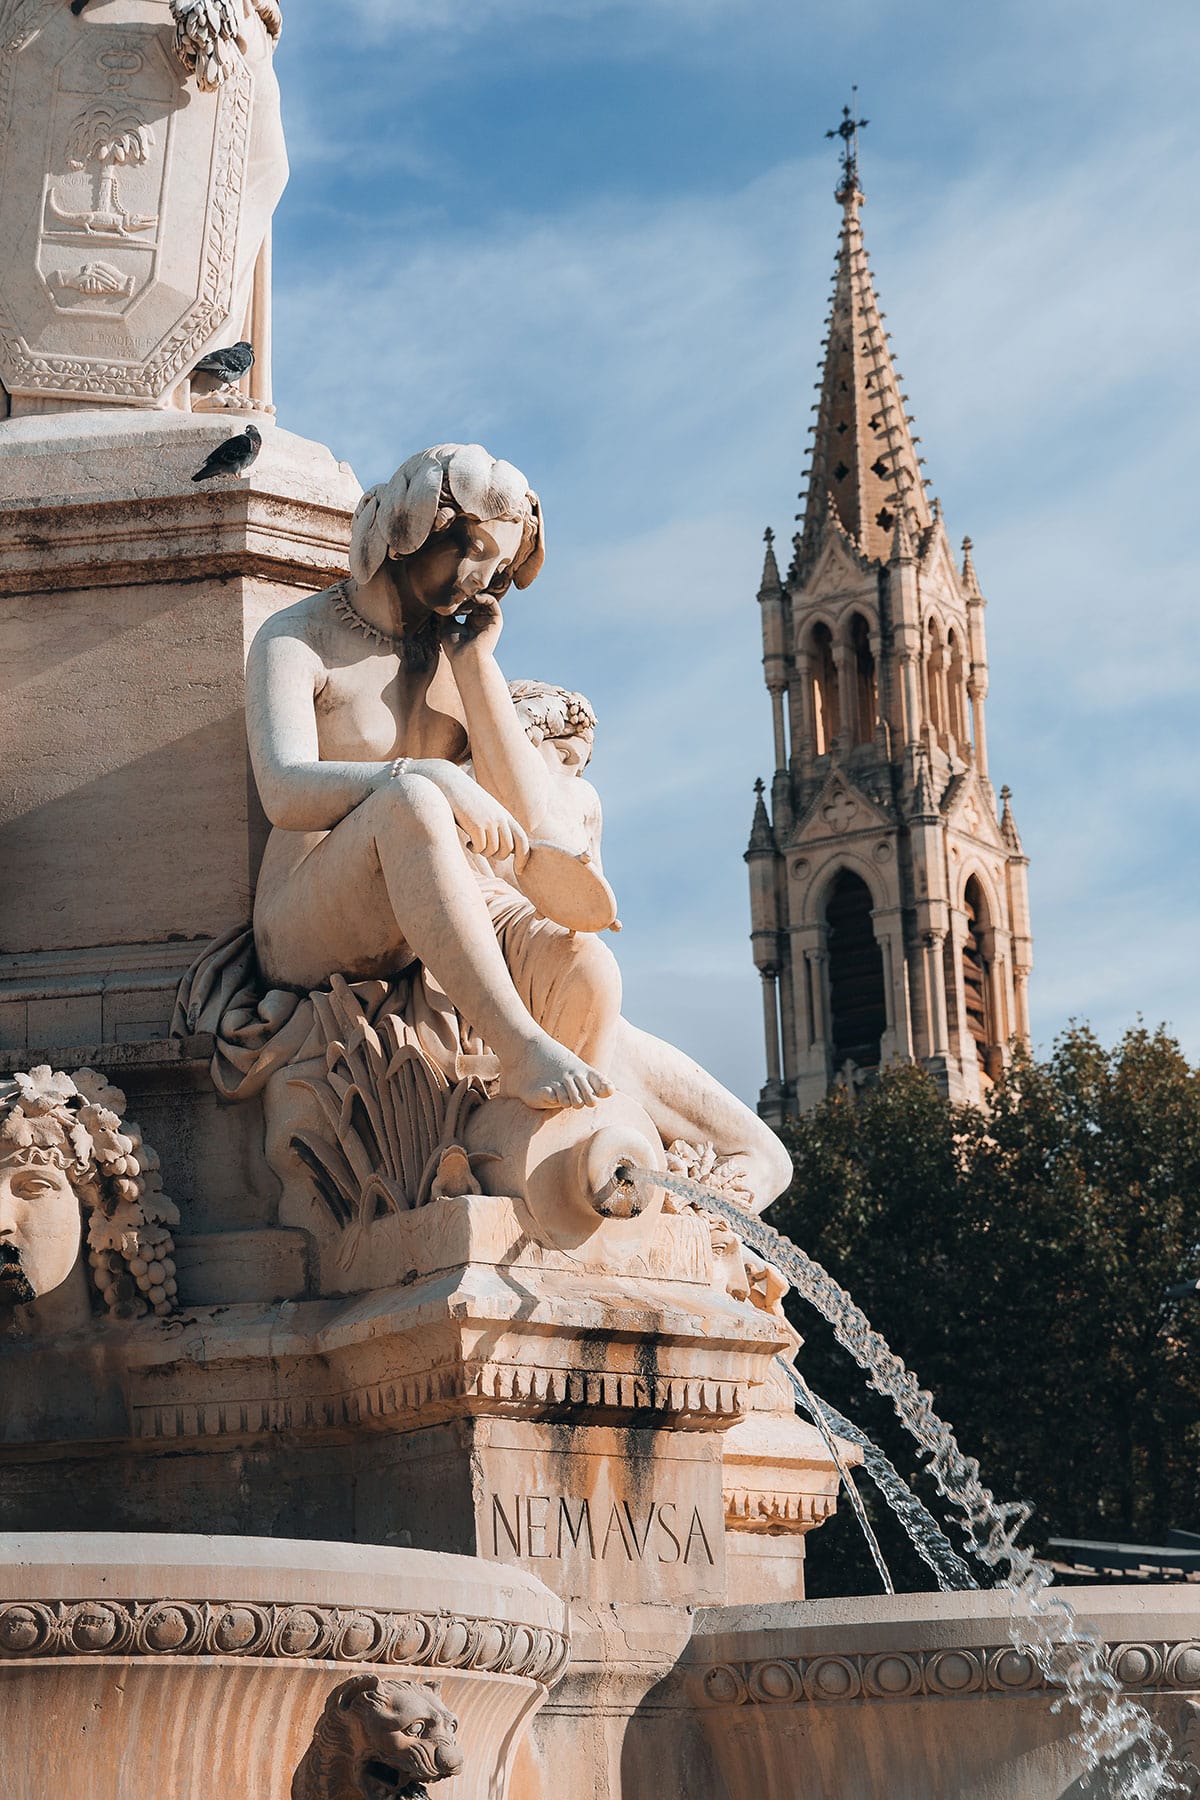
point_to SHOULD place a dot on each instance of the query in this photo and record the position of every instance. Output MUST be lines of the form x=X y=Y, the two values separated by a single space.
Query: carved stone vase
x=192 y=1667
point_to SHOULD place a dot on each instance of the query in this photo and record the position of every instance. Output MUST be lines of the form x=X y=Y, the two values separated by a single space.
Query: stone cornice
x=776 y=1511
x=74 y=543
x=453 y=1344
x=475 y=1389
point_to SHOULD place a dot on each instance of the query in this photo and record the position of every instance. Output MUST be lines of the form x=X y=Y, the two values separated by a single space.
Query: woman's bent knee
x=408 y=803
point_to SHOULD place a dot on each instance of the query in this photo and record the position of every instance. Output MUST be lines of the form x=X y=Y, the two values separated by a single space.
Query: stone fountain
x=363 y=1419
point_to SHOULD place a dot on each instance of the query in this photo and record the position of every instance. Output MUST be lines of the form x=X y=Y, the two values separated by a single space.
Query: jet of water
x=1113 y=1728
x=924 y=1533
x=812 y=1406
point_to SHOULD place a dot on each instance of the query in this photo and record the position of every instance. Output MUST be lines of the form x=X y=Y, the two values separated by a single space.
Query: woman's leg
x=391 y=882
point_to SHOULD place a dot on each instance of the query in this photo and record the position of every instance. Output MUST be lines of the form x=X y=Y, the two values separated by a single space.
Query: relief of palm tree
x=104 y=140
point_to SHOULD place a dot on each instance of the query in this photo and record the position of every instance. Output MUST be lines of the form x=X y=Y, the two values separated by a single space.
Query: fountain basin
x=195 y=1666
x=920 y=1696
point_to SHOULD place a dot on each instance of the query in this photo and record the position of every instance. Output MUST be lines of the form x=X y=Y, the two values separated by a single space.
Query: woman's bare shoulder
x=306 y=621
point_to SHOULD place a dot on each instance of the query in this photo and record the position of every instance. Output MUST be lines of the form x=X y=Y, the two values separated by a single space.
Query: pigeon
x=233 y=457
x=225 y=367
x=77 y=6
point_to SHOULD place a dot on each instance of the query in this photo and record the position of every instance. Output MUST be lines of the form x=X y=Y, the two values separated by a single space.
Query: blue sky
x=597 y=236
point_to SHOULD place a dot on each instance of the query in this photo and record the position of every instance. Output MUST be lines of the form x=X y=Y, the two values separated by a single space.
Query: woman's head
x=470 y=522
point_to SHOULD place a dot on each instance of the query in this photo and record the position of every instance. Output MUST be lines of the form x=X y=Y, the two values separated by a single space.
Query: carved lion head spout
x=379 y=1740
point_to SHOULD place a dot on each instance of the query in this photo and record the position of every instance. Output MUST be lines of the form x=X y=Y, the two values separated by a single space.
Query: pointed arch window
x=935 y=681
x=857 y=1007
x=956 y=678
x=827 y=711
x=866 y=690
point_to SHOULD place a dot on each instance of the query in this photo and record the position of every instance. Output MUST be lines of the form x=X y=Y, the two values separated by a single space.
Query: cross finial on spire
x=848 y=131
x=768 y=536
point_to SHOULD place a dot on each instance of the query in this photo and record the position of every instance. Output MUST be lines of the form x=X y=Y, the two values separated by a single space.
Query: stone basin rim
x=87 y=1565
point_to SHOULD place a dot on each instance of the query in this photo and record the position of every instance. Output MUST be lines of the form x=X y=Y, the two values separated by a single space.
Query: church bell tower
x=889 y=898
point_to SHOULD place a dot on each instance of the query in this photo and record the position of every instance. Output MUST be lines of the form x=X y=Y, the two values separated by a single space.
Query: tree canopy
x=1018 y=1260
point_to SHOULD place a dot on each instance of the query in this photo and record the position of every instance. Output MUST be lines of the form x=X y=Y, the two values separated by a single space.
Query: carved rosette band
x=186 y=1628
x=946 y=1674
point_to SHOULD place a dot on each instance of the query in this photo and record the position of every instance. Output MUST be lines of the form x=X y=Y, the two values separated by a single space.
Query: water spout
x=1113 y=1728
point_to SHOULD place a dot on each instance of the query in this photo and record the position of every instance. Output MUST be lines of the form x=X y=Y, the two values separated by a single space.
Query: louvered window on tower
x=858 y=1013
x=976 y=976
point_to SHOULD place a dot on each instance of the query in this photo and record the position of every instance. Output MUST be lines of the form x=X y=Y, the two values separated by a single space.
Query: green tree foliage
x=1017 y=1260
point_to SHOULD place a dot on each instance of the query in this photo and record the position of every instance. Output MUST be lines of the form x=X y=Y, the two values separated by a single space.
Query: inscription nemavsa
x=550 y=1527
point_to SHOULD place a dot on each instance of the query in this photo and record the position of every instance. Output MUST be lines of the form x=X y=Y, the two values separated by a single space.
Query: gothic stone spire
x=770 y=583
x=864 y=455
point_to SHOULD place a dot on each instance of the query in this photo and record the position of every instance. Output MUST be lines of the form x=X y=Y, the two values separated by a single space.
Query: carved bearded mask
x=40 y=1228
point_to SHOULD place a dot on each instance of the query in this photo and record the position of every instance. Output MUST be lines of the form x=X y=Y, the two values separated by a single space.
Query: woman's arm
x=504 y=760
x=299 y=792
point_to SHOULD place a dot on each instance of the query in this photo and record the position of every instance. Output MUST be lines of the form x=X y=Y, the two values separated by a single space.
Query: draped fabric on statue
x=258 y=1032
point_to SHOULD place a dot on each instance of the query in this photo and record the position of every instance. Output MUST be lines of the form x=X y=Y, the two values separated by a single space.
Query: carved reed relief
x=150 y=1628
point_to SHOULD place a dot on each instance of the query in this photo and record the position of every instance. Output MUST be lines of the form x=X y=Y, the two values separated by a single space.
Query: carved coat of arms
x=133 y=203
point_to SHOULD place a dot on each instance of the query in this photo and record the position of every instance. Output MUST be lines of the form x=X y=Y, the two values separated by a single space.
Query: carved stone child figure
x=66 y=1158
x=709 y=1135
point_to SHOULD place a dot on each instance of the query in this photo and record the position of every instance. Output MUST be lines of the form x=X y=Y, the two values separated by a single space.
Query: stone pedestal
x=195 y=1666
x=590 y=1420
x=130 y=830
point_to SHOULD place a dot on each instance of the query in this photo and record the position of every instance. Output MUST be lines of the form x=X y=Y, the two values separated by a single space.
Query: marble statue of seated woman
x=404 y=789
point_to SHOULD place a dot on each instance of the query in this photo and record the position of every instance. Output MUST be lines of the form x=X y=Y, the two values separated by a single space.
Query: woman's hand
x=490 y=829
x=477 y=633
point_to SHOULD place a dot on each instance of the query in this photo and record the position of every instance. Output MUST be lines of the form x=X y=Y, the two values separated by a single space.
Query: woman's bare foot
x=546 y=1076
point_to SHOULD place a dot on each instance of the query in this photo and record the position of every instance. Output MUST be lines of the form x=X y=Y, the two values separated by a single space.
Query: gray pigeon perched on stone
x=225 y=367
x=233 y=457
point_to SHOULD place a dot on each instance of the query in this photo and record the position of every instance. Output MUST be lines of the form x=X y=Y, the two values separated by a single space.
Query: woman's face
x=40 y=1230
x=456 y=565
